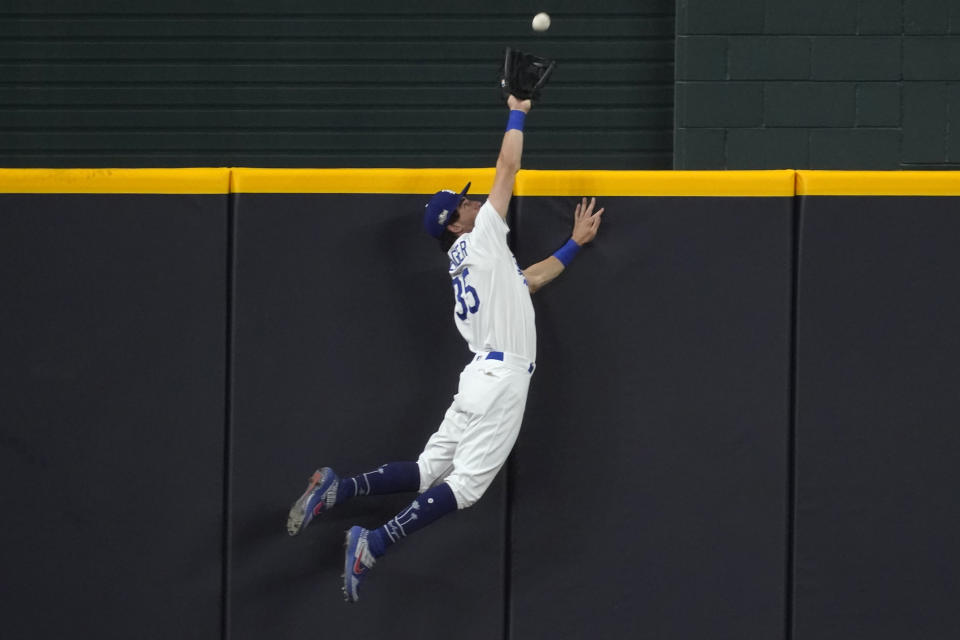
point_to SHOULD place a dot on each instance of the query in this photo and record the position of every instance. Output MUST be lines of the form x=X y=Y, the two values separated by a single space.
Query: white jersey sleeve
x=492 y=306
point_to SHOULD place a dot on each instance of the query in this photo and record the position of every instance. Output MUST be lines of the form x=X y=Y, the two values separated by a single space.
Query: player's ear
x=455 y=228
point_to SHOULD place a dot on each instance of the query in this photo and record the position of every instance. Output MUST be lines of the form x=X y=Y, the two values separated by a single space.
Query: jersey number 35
x=461 y=289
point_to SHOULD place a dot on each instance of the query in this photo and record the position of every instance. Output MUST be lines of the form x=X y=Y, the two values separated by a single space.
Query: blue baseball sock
x=429 y=506
x=394 y=477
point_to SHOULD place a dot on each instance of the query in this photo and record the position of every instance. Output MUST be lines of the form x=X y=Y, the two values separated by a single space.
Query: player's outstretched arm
x=585 y=225
x=508 y=162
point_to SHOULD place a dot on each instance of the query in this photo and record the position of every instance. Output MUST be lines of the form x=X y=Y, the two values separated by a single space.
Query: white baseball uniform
x=494 y=314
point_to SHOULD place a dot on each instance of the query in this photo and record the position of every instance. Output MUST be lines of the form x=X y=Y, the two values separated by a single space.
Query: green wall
x=328 y=84
x=856 y=84
x=757 y=84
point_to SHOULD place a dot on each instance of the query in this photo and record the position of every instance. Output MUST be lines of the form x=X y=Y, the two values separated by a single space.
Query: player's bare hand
x=586 y=221
x=521 y=105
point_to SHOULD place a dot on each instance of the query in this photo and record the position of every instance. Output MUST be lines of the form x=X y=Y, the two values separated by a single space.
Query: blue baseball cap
x=440 y=208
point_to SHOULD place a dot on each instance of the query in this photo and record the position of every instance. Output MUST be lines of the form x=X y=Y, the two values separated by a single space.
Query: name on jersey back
x=458 y=253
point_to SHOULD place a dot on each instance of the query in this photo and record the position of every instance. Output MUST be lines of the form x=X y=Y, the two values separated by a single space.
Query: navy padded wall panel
x=111 y=439
x=877 y=437
x=347 y=356
x=648 y=493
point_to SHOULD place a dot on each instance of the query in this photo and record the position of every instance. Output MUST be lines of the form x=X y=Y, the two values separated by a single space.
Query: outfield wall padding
x=112 y=428
x=878 y=444
x=741 y=423
x=346 y=356
x=650 y=477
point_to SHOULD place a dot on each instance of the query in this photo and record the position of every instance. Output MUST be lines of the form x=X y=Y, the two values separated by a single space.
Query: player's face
x=468 y=210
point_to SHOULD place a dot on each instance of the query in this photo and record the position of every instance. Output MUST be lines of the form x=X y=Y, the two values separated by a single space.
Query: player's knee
x=467 y=493
x=425 y=477
x=466 y=501
x=430 y=474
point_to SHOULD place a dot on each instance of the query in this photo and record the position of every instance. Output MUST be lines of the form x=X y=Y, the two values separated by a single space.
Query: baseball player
x=493 y=311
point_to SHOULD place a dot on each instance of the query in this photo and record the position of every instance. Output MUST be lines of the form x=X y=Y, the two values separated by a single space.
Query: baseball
x=541 y=22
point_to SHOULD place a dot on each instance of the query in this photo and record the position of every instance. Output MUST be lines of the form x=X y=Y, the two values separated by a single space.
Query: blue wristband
x=567 y=252
x=516 y=120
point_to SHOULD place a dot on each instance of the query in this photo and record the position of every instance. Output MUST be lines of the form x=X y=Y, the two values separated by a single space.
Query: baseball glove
x=523 y=75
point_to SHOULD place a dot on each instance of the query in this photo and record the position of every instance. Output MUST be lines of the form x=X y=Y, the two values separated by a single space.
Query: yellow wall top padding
x=656 y=183
x=163 y=181
x=528 y=183
x=878 y=183
x=411 y=181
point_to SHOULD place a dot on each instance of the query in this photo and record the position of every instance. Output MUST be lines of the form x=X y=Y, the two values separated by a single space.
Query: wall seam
x=228 y=417
x=793 y=409
x=513 y=216
x=507 y=549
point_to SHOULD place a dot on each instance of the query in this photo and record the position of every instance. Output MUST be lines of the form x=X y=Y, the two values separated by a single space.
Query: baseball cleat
x=320 y=496
x=357 y=562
